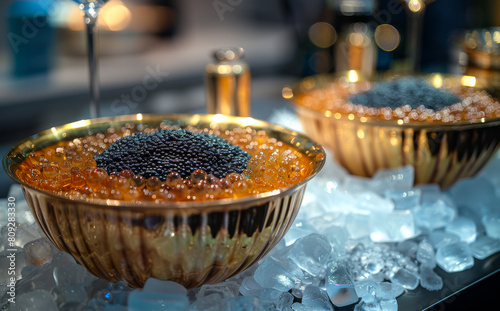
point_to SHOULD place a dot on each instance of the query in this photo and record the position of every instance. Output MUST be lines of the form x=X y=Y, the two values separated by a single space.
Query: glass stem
x=415 y=37
x=92 y=59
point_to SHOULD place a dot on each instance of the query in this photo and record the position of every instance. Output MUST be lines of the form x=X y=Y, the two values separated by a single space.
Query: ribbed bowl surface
x=440 y=153
x=192 y=243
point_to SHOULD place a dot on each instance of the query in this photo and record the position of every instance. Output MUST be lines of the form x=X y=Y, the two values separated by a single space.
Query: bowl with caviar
x=194 y=199
x=446 y=127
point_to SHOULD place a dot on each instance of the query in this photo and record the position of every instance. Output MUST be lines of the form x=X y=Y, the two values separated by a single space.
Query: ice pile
x=357 y=243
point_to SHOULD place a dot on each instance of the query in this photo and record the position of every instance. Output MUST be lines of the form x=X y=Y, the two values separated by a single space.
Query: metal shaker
x=228 y=84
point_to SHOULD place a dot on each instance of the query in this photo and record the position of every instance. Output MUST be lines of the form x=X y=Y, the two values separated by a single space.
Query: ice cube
x=389 y=290
x=158 y=286
x=399 y=178
x=392 y=227
x=270 y=274
x=39 y=252
x=67 y=294
x=295 y=233
x=210 y=302
x=484 y=246
x=426 y=255
x=366 y=290
x=140 y=300
x=226 y=290
x=464 y=228
x=404 y=199
x=242 y=303
x=430 y=193
x=355 y=184
x=297 y=306
x=66 y=271
x=35 y=300
x=408 y=248
x=389 y=305
x=405 y=278
x=284 y=301
x=339 y=286
x=312 y=206
x=316 y=298
x=358 y=225
x=469 y=191
x=440 y=238
x=269 y=295
x=250 y=287
x=372 y=202
x=435 y=215
x=37 y=278
x=491 y=223
x=429 y=279
x=368 y=306
x=454 y=257
x=310 y=253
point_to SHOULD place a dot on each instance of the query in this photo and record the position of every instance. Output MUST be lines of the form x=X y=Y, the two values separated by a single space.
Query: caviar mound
x=165 y=151
x=411 y=91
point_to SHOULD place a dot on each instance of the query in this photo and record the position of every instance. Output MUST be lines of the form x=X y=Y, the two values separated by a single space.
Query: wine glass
x=416 y=10
x=90 y=9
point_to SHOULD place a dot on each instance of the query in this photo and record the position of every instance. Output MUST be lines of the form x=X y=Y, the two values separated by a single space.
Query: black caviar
x=165 y=151
x=411 y=91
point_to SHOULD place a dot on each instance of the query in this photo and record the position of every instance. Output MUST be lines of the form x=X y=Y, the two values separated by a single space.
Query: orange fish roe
x=68 y=169
x=333 y=100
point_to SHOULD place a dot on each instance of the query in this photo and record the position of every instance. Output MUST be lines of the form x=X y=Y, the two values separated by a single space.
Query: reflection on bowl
x=440 y=152
x=192 y=243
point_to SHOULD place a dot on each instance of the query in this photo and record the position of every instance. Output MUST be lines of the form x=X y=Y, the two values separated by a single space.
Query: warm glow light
x=361 y=134
x=218 y=118
x=115 y=16
x=356 y=39
x=437 y=81
x=322 y=34
x=287 y=92
x=139 y=116
x=352 y=76
x=223 y=69
x=77 y=124
x=387 y=37
x=468 y=81
x=237 y=69
x=416 y=5
x=400 y=122
x=350 y=116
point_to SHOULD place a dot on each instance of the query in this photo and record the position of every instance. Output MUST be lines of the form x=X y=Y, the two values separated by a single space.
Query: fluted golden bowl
x=192 y=243
x=441 y=153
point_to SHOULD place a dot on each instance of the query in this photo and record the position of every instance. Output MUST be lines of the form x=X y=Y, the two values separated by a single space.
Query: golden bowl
x=440 y=153
x=192 y=243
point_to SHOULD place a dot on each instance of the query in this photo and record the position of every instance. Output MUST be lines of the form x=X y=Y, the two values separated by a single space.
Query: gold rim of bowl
x=312 y=82
x=82 y=128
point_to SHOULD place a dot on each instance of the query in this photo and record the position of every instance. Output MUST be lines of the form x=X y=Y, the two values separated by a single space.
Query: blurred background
x=153 y=53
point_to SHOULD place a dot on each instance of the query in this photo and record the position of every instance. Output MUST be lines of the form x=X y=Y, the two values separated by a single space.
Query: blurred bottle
x=30 y=37
x=355 y=48
x=228 y=84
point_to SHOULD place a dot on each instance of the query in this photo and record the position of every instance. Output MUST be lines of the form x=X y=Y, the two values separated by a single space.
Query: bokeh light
x=322 y=34
x=387 y=37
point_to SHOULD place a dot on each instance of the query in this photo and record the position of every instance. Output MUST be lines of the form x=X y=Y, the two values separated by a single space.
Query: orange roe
x=332 y=100
x=68 y=169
